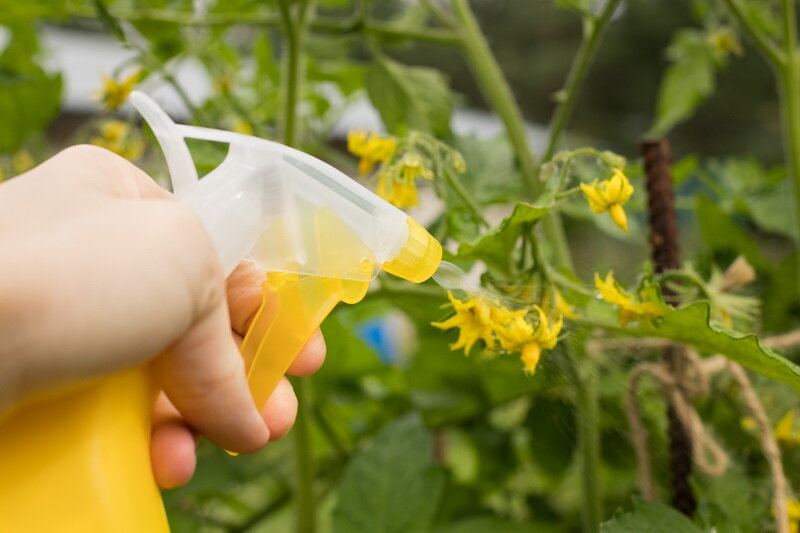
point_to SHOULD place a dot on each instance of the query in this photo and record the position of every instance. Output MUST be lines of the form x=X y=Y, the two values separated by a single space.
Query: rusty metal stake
x=666 y=256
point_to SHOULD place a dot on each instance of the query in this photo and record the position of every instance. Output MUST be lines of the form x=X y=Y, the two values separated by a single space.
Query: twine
x=707 y=454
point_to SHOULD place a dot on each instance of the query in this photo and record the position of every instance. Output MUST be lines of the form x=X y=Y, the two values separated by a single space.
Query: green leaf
x=29 y=97
x=650 y=517
x=409 y=97
x=491 y=524
x=392 y=486
x=495 y=247
x=687 y=82
x=692 y=325
x=491 y=174
x=781 y=299
x=734 y=501
x=724 y=236
x=582 y=7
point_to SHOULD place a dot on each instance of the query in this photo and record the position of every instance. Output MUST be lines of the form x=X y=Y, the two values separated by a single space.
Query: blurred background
x=497 y=447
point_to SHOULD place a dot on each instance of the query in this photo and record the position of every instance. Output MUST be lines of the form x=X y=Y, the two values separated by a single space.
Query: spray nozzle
x=265 y=201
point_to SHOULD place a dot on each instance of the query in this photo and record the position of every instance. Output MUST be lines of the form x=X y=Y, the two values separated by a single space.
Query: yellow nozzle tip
x=420 y=256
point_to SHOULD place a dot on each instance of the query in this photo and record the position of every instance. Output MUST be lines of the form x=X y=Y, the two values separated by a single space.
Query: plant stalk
x=498 y=93
x=465 y=197
x=785 y=65
x=789 y=81
x=589 y=443
x=294 y=27
x=584 y=370
x=593 y=35
x=304 y=460
x=326 y=25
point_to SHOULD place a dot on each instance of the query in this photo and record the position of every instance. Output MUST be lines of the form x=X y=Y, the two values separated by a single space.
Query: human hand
x=103 y=271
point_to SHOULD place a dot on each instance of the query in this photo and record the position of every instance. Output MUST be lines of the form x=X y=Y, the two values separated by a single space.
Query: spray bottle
x=80 y=461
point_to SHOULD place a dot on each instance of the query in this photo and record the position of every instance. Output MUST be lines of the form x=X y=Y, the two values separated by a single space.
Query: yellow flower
x=513 y=333
x=397 y=181
x=478 y=319
x=629 y=309
x=21 y=161
x=544 y=338
x=724 y=42
x=115 y=135
x=411 y=166
x=473 y=320
x=610 y=195
x=397 y=193
x=748 y=423
x=531 y=353
x=370 y=148
x=242 y=126
x=555 y=300
x=114 y=93
x=784 y=430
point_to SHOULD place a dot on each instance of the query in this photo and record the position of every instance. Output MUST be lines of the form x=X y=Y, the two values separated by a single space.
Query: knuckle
x=114 y=170
x=88 y=152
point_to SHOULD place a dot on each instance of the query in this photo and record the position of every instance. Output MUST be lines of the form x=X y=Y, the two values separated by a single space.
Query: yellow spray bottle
x=79 y=461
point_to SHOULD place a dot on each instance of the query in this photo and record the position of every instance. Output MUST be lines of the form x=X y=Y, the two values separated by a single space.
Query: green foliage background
x=433 y=441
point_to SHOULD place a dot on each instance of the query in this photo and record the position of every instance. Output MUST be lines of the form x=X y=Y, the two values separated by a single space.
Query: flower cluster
x=643 y=307
x=478 y=318
x=114 y=93
x=401 y=161
x=371 y=149
x=609 y=196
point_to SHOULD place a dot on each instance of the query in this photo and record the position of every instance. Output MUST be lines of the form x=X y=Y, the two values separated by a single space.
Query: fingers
x=281 y=410
x=203 y=375
x=244 y=295
x=311 y=356
x=244 y=299
x=172 y=447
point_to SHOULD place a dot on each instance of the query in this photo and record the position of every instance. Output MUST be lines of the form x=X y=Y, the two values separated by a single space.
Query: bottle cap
x=420 y=256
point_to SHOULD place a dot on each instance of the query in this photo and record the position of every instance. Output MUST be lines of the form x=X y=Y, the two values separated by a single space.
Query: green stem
x=596 y=28
x=439 y=14
x=567 y=193
x=594 y=32
x=465 y=197
x=789 y=79
x=588 y=433
x=294 y=27
x=292 y=81
x=304 y=463
x=497 y=91
x=786 y=67
x=381 y=30
x=764 y=45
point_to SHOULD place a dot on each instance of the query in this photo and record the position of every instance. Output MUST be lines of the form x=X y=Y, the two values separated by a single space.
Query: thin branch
x=577 y=75
x=762 y=42
x=381 y=30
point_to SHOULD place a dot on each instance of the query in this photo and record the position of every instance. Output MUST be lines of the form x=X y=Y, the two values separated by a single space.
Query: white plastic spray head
x=287 y=210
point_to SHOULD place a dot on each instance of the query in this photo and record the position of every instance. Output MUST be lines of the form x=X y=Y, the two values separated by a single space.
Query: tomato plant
x=612 y=383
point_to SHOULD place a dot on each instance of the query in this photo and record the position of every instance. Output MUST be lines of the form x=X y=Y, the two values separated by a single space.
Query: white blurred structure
x=83 y=58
